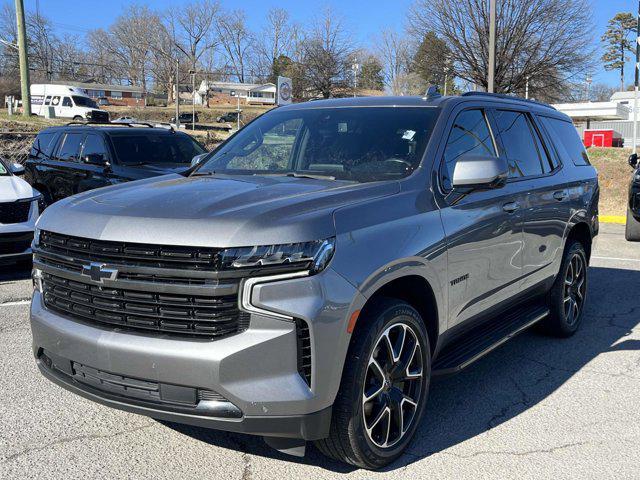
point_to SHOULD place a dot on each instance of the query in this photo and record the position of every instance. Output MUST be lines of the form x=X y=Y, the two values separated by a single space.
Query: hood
x=152 y=170
x=215 y=211
x=14 y=188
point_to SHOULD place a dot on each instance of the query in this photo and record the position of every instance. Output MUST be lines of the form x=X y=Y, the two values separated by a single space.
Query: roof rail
x=507 y=97
x=112 y=124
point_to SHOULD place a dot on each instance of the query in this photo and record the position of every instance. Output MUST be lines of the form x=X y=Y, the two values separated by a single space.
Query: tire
x=568 y=296
x=78 y=118
x=632 y=228
x=378 y=444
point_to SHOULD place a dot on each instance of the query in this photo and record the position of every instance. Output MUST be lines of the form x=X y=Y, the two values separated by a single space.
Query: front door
x=483 y=228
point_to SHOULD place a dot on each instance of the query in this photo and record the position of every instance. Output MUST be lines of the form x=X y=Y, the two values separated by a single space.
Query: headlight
x=314 y=255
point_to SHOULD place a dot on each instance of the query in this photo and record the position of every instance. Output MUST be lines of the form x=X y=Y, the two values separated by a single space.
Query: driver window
x=469 y=134
x=269 y=150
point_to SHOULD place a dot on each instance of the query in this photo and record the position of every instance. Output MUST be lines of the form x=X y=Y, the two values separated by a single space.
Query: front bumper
x=256 y=370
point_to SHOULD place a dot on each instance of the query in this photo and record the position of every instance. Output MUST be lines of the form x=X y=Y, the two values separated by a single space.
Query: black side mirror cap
x=633 y=160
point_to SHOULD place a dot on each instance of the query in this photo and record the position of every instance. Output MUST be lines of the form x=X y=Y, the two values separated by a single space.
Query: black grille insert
x=15 y=242
x=135 y=254
x=14 y=212
x=139 y=310
x=304 y=350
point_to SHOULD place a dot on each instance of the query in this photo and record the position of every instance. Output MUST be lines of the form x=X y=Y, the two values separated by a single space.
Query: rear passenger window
x=566 y=140
x=66 y=102
x=519 y=144
x=469 y=134
x=70 y=147
x=42 y=145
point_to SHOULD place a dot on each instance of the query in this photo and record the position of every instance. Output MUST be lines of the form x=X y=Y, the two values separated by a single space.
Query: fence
x=14 y=146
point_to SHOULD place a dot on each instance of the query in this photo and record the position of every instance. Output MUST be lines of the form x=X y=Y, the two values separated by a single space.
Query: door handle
x=511 y=207
x=560 y=195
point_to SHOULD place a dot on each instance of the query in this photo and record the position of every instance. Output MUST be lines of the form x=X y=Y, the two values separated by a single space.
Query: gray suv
x=308 y=279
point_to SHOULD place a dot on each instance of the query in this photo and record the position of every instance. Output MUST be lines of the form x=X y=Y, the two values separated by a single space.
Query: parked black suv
x=632 y=230
x=228 y=117
x=186 y=118
x=67 y=160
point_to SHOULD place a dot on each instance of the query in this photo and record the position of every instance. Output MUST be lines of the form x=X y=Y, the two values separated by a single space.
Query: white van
x=67 y=101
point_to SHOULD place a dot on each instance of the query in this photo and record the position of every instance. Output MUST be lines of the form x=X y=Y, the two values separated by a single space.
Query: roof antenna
x=432 y=93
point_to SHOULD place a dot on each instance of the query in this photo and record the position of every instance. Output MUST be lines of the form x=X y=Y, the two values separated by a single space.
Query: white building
x=616 y=114
x=229 y=92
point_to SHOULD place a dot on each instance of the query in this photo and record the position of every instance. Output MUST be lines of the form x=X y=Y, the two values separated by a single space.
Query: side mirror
x=480 y=172
x=95 y=159
x=17 y=169
x=198 y=158
x=633 y=160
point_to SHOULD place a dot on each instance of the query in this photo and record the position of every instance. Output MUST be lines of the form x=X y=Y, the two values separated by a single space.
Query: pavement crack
x=75 y=438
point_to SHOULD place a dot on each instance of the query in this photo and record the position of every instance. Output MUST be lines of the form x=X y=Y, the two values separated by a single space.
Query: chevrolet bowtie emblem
x=98 y=272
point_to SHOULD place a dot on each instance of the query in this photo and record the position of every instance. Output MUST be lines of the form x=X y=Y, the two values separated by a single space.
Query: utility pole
x=177 y=94
x=355 y=68
x=635 y=89
x=193 y=94
x=492 y=46
x=24 y=60
x=526 y=88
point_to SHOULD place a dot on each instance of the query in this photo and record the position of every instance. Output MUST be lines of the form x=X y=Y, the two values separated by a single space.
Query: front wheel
x=78 y=118
x=384 y=387
x=632 y=228
x=568 y=295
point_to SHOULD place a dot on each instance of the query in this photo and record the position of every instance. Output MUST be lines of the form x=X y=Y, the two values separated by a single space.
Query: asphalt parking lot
x=536 y=408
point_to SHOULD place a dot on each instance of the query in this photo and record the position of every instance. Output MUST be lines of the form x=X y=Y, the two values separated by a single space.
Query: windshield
x=145 y=149
x=362 y=144
x=84 y=102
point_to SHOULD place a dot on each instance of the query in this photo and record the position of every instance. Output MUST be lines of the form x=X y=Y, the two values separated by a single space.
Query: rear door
x=62 y=173
x=544 y=205
x=483 y=228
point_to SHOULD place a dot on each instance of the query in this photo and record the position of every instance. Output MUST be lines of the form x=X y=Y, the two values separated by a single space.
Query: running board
x=485 y=338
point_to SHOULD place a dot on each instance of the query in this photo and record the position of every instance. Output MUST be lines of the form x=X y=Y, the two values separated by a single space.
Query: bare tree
x=395 y=52
x=326 y=53
x=192 y=27
x=545 y=41
x=236 y=41
x=277 y=40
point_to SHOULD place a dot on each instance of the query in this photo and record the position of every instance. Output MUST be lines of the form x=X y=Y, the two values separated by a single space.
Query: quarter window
x=566 y=140
x=519 y=144
x=469 y=134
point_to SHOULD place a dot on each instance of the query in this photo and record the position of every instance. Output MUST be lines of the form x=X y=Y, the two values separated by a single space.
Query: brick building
x=123 y=95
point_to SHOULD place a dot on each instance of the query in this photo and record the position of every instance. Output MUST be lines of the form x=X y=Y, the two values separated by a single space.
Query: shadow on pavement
x=499 y=387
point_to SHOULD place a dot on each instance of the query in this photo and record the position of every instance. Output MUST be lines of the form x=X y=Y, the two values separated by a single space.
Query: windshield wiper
x=298 y=175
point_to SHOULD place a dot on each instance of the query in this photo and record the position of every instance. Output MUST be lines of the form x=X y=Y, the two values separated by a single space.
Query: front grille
x=304 y=350
x=134 y=254
x=15 y=242
x=14 y=212
x=98 y=116
x=211 y=316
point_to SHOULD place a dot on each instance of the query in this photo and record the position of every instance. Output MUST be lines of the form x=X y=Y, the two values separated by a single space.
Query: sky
x=365 y=18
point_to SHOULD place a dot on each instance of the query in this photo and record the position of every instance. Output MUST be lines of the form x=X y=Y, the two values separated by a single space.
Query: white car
x=20 y=206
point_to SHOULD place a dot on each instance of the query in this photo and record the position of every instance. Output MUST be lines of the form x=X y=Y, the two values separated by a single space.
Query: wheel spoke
x=371 y=393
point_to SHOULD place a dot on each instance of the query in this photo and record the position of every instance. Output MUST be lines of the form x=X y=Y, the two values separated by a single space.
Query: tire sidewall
x=557 y=294
x=392 y=314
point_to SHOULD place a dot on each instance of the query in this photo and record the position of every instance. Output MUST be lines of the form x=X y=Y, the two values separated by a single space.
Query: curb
x=619 y=219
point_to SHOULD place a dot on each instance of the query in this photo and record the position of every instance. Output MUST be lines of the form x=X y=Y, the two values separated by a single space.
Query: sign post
x=284 y=91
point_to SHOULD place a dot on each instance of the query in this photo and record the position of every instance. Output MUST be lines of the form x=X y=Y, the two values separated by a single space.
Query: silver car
x=308 y=278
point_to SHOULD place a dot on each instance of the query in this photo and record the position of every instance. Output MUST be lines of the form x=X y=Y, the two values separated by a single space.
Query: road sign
x=284 y=91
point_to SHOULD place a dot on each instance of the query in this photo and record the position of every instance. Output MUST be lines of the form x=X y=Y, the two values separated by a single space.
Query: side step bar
x=488 y=336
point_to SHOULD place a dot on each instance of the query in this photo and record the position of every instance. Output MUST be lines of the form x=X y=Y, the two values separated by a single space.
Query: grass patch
x=614 y=175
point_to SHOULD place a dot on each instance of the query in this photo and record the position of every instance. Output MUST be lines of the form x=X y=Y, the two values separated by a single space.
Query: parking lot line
x=17 y=302
x=617 y=259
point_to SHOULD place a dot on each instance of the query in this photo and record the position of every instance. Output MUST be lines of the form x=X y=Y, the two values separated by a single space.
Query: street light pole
x=193 y=94
x=635 y=89
x=492 y=46
x=24 y=60
x=177 y=94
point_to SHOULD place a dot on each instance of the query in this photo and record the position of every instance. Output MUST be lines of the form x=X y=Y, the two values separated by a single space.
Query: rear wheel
x=568 y=295
x=383 y=390
x=632 y=228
